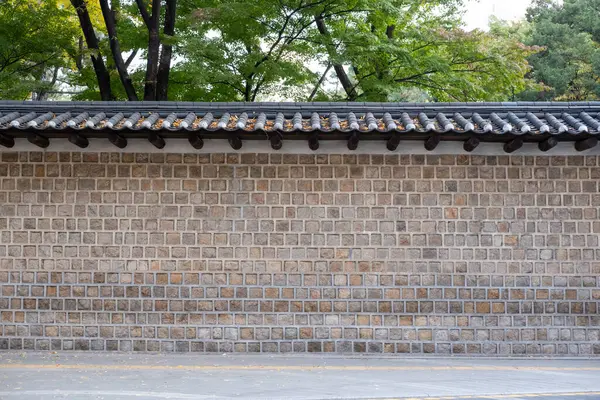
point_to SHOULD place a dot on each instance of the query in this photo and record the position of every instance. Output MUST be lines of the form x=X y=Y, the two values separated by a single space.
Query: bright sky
x=479 y=11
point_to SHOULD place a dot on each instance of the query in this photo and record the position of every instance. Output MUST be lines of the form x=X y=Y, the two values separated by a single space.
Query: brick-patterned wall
x=491 y=255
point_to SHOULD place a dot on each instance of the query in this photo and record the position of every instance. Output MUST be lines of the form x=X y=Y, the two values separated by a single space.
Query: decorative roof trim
x=511 y=124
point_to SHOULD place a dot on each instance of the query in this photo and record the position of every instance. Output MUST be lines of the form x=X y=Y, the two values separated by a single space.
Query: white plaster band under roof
x=296 y=147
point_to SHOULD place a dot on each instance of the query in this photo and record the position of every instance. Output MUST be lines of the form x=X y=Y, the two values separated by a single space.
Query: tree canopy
x=302 y=50
x=375 y=51
x=36 y=42
x=568 y=66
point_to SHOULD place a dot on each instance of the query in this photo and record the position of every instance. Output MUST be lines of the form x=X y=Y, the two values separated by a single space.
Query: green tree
x=35 y=43
x=211 y=50
x=569 y=65
x=129 y=20
x=424 y=48
x=377 y=50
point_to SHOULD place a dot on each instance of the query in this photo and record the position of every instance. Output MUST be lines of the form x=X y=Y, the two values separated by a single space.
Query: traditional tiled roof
x=509 y=123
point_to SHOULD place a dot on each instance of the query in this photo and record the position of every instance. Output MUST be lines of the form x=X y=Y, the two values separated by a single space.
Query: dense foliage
x=36 y=42
x=569 y=64
x=304 y=50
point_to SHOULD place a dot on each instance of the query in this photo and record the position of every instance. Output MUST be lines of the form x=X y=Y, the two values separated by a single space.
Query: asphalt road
x=170 y=376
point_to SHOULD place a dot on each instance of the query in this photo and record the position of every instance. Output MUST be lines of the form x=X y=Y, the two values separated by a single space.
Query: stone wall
x=481 y=255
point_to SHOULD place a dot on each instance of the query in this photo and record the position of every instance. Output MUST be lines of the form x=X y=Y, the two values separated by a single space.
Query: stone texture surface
x=492 y=255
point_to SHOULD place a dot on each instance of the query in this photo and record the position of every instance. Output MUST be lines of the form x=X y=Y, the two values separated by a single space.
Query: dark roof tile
x=568 y=121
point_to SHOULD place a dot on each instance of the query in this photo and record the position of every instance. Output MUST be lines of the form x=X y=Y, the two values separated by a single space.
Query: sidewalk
x=171 y=376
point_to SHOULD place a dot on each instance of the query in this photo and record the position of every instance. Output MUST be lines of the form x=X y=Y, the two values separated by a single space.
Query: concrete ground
x=51 y=375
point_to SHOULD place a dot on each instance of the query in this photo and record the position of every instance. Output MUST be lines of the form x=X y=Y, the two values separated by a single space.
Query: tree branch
x=228 y=84
x=319 y=83
x=339 y=69
x=79 y=57
x=131 y=58
x=144 y=12
x=115 y=47
x=257 y=88
x=102 y=74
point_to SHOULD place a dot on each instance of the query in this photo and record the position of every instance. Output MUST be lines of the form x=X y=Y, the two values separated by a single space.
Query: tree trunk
x=166 y=54
x=339 y=69
x=389 y=31
x=115 y=47
x=248 y=90
x=152 y=23
x=152 y=66
x=79 y=57
x=91 y=40
x=319 y=83
x=42 y=94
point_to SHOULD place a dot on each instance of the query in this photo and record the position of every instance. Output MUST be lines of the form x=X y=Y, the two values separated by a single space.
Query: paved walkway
x=124 y=376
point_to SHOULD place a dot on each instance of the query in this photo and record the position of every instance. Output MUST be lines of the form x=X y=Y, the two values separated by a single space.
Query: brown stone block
x=412 y=307
x=29 y=304
x=162 y=279
x=483 y=307
x=469 y=307
x=52 y=331
x=355 y=280
x=311 y=306
x=132 y=291
x=363 y=320
x=19 y=317
x=191 y=278
x=247 y=333
x=498 y=308
x=266 y=306
x=306 y=333
x=296 y=306
x=176 y=278
x=314 y=347
x=425 y=334
x=282 y=306
x=451 y=213
x=6 y=316
x=236 y=279
x=161 y=305
x=365 y=333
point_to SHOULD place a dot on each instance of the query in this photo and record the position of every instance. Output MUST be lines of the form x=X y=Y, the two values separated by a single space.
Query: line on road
x=293 y=368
